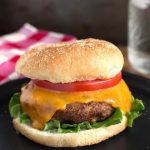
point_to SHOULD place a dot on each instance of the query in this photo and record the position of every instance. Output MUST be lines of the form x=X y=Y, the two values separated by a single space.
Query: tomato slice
x=80 y=85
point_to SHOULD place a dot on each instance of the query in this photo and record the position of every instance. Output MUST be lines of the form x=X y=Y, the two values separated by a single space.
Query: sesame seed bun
x=82 y=138
x=80 y=60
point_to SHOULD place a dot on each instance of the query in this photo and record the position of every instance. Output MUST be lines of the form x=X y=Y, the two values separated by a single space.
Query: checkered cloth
x=15 y=44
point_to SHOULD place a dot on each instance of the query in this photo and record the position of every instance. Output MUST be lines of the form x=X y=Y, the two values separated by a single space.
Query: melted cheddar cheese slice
x=41 y=104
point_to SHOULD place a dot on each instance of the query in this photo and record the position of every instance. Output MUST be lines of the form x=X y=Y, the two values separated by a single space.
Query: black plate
x=136 y=138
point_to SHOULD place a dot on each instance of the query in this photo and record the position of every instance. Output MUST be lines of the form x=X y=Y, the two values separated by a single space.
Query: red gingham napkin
x=15 y=44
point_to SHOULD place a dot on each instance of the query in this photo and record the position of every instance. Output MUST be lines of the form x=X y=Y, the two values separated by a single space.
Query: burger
x=76 y=95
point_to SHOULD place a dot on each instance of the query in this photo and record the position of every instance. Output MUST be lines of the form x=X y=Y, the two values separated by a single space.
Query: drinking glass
x=139 y=35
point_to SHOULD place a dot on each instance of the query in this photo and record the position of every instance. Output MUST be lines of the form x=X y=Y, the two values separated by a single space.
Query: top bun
x=79 y=60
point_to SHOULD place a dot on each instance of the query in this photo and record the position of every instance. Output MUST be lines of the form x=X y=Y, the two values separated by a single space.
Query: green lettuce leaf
x=55 y=125
x=15 y=99
x=136 y=108
x=114 y=119
x=14 y=105
x=65 y=128
x=24 y=118
x=15 y=110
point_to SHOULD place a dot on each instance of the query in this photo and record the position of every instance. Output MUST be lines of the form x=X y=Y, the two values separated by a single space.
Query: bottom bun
x=82 y=138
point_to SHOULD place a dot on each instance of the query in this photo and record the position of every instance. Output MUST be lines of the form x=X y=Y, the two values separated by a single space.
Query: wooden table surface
x=127 y=66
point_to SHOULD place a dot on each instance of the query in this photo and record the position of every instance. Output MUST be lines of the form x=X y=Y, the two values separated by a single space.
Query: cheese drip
x=41 y=104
